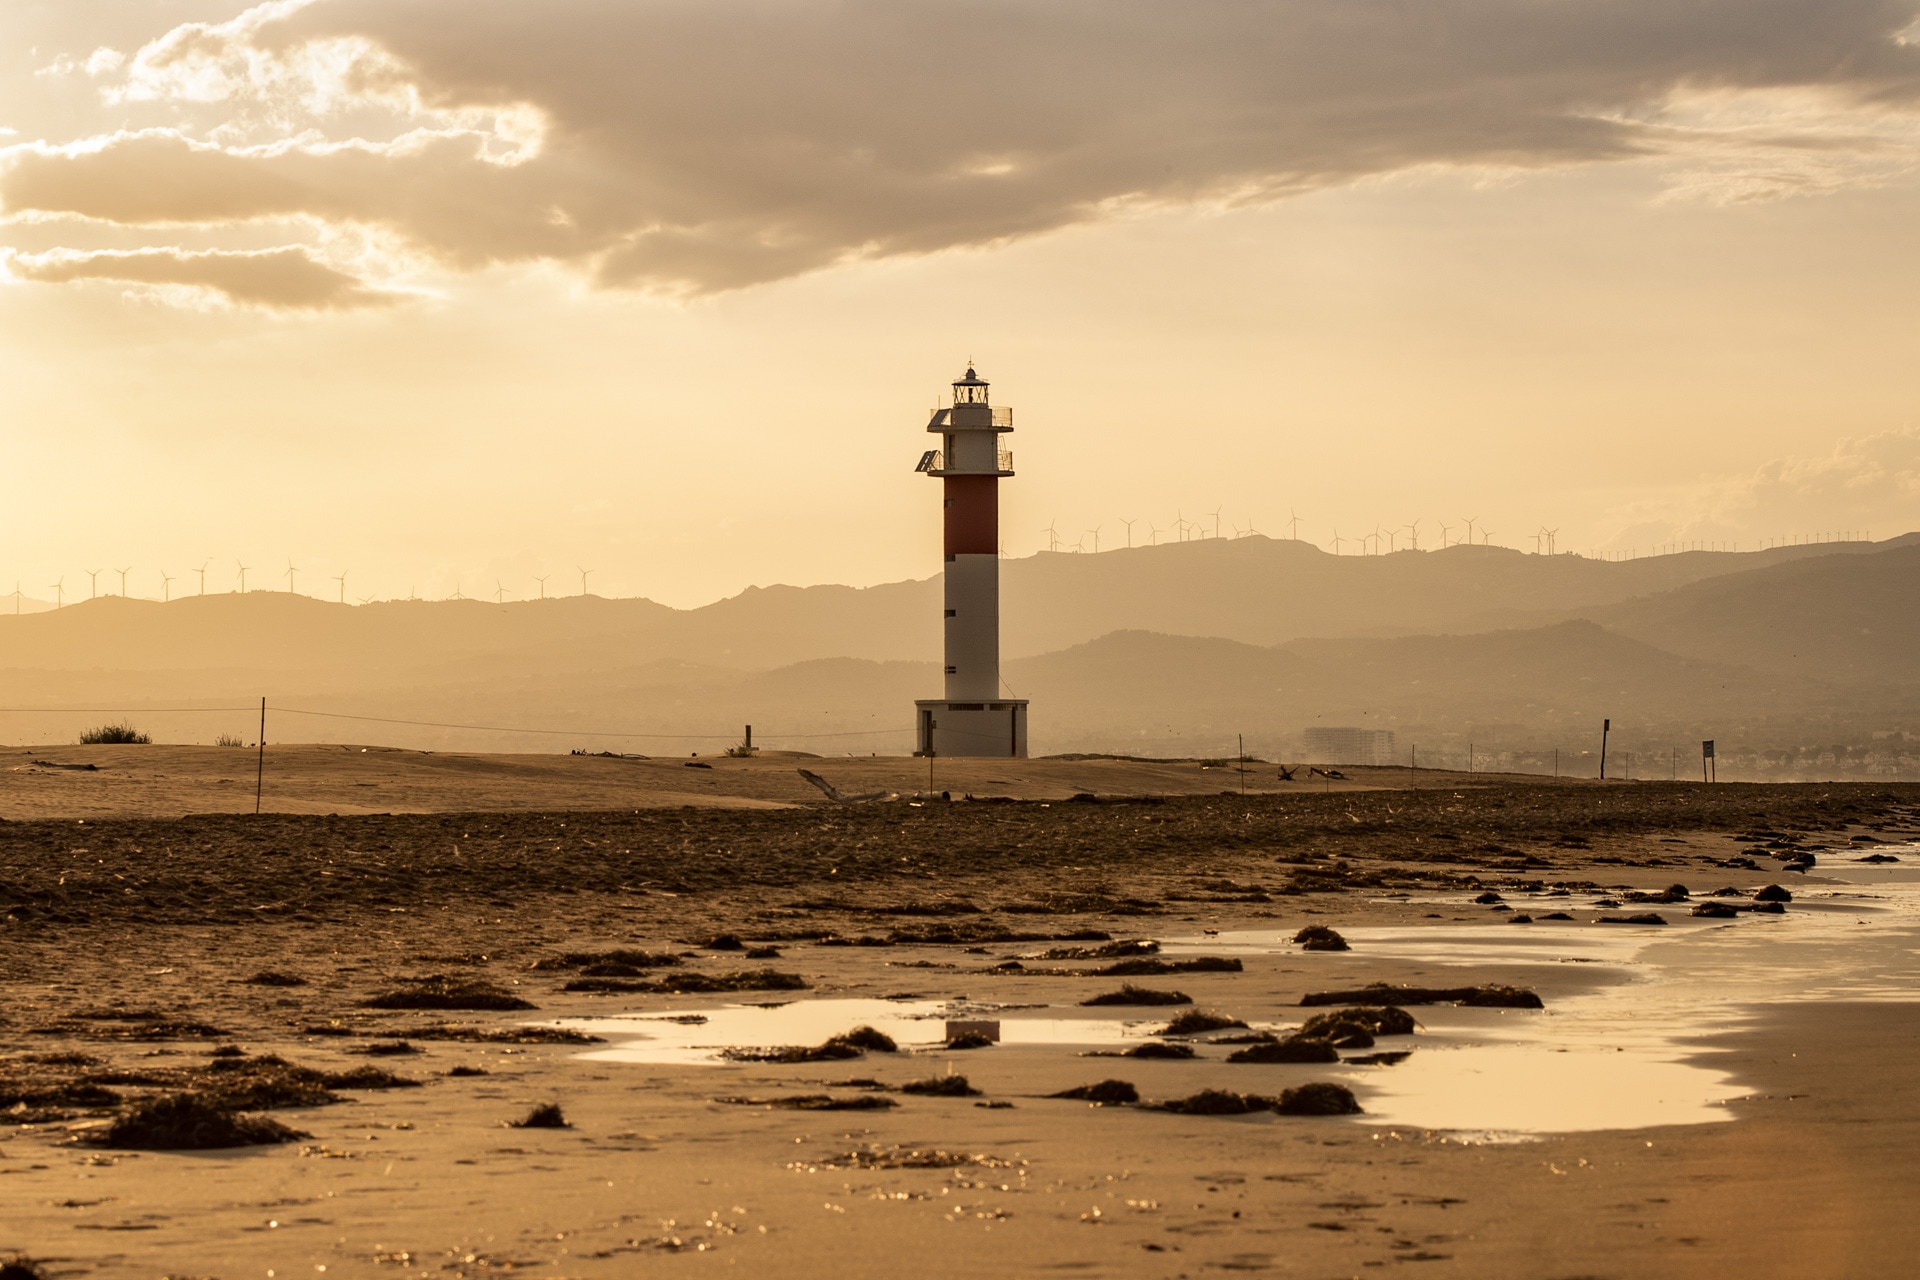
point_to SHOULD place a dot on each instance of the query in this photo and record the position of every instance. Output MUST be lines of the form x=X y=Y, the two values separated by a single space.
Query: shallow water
x=1625 y=1053
x=913 y=1024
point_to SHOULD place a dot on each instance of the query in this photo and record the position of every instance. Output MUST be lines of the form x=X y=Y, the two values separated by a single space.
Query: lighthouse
x=975 y=718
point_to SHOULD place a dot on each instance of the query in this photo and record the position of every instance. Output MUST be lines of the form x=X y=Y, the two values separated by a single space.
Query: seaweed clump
x=1194 y=1022
x=1318 y=937
x=545 y=1116
x=1132 y=995
x=442 y=992
x=191 y=1122
x=941 y=1087
x=1108 y=1093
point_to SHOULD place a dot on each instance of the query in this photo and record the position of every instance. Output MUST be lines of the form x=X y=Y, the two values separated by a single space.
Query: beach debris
x=1649 y=917
x=460 y=1073
x=696 y=983
x=1488 y=898
x=275 y=978
x=971 y=1040
x=1715 y=911
x=1194 y=1022
x=1318 y=937
x=627 y=957
x=438 y=991
x=988 y=1027
x=1556 y=915
x=547 y=1115
x=1382 y=1020
x=489 y=1035
x=1151 y=1049
x=875 y=1156
x=1520 y=919
x=815 y=1102
x=1110 y=951
x=1389 y=1058
x=19 y=1266
x=389 y=1049
x=1773 y=893
x=1150 y=967
x=850 y=1044
x=1488 y=997
x=1132 y=995
x=763 y=953
x=834 y=793
x=189 y=1122
x=941 y=1087
x=1318 y=1099
x=1107 y=1093
x=1292 y=1049
x=723 y=942
x=1215 y=1102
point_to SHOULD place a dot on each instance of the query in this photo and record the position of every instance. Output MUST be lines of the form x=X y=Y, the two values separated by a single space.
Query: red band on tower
x=972 y=515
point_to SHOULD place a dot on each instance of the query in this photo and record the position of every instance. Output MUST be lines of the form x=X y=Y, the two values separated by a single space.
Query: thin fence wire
x=444 y=724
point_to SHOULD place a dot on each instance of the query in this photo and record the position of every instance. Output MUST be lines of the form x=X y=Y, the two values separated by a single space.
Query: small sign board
x=1706 y=749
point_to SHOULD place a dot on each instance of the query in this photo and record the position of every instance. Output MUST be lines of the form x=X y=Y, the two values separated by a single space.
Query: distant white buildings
x=1350 y=746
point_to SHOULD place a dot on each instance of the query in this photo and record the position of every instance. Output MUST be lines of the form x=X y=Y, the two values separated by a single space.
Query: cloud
x=1865 y=484
x=693 y=145
x=281 y=279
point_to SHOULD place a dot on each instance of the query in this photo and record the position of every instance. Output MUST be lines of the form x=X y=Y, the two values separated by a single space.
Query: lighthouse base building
x=972 y=728
x=976 y=718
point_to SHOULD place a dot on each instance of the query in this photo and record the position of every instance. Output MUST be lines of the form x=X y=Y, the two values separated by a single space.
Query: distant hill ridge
x=1255 y=590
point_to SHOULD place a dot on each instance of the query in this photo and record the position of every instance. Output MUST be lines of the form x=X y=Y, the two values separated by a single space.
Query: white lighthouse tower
x=974 y=719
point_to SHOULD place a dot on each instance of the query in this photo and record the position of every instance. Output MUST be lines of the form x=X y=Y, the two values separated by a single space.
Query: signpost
x=1709 y=768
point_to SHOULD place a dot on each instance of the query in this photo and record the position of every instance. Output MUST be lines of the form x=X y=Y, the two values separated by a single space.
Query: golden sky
x=447 y=294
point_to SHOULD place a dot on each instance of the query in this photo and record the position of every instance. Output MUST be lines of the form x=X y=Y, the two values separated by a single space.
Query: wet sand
x=112 y=927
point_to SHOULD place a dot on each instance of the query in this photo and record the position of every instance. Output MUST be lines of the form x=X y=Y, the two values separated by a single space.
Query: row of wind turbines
x=1382 y=541
x=242 y=569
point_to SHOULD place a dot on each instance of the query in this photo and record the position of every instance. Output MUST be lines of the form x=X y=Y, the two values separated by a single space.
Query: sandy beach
x=1702 y=1096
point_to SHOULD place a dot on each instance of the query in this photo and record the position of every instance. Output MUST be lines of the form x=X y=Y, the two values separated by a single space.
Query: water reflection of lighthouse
x=973 y=719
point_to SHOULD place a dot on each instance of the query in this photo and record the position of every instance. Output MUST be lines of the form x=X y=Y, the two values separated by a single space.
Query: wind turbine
x=243 y=576
x=1156 y=533
x=1293 y=524
x=202 y=571
x=1470 y=520
x=1095 y=531
x=583 y=579
x=1551 y=535
x=1484 y=535
x=59 y=590
x=1393 y=541
x=290 y=572
x=1337 y=539
x=499 y=592
x=16 y=596
x=123 y=580
x=1216 y=522
x=1536 y=542
x=1053 y=535
x=166 y=586
x=1130 y=524
x=93 y=582
x=542 y=580
x=1413 y=535
x=341 y=578
x=1445 y=529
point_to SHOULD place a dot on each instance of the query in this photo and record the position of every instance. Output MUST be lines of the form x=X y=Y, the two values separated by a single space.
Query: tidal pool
x=1631 y=1051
